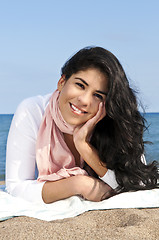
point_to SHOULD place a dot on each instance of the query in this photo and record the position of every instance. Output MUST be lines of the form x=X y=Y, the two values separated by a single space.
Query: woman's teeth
x=76 y=109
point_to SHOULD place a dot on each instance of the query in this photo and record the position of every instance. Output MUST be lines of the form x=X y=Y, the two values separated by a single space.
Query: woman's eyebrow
x=82 y=80
x=104 y=93
x=98 y=91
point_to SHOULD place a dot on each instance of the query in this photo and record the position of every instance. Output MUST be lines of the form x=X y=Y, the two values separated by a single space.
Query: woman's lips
x=77 y=110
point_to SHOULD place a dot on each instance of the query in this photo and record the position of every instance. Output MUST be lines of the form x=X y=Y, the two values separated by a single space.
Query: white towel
x=12 y=206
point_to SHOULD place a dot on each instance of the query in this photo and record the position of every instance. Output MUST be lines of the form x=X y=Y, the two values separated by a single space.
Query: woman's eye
x=80 y=85
x=99 y=96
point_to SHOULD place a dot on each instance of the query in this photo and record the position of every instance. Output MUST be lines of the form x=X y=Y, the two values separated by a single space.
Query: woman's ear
x=61 y=83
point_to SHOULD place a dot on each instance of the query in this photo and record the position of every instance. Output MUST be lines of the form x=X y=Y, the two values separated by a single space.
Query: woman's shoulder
x=31 y=110
x=34 y=104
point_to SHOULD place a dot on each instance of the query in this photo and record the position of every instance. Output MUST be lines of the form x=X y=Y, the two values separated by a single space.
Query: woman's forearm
x=91 y=157
x=61 y=189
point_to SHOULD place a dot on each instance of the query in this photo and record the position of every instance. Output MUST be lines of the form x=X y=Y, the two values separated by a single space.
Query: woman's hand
x=94 y=189
x=83 y=132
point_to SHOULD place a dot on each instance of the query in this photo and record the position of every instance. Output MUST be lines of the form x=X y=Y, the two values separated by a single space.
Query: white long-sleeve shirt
x=21 y=169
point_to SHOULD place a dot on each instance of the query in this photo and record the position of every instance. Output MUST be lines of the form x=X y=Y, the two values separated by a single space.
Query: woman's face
x=81 y=95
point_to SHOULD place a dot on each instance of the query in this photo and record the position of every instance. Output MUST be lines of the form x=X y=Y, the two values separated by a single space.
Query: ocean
x=5 y=121
x=152 y=134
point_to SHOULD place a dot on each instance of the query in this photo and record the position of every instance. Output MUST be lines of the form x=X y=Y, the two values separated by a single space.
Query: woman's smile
x=77 y=110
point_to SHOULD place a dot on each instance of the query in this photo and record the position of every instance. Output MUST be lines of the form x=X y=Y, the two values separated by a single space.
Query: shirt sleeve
x=110 y=177
x=20 y=156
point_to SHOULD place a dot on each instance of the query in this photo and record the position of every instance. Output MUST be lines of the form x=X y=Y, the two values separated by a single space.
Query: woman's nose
x=84 y=99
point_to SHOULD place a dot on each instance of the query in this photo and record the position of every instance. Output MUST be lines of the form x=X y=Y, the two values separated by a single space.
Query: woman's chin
x=76 y=123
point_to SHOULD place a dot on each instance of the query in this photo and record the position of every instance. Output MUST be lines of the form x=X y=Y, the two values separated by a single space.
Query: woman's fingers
x=99 y=115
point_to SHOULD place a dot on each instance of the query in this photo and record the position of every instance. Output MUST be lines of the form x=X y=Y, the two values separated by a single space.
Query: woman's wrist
x=83 y=184
x=81 y=148
x=79 y=184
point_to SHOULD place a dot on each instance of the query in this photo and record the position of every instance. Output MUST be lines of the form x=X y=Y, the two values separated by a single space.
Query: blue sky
x=37 y=37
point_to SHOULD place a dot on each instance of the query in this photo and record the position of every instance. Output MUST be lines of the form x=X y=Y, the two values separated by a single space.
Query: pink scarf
x=54 y=159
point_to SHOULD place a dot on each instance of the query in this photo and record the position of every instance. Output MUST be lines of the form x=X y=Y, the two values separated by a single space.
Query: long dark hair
x=118 y=137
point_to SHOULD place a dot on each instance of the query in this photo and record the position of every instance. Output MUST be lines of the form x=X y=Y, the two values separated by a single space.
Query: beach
x=117 y=224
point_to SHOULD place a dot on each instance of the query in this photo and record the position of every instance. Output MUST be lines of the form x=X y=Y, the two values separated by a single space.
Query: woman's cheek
x=95 y=109
x=72 y=92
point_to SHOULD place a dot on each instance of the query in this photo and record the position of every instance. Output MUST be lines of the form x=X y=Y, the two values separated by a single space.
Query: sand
x=117 y=224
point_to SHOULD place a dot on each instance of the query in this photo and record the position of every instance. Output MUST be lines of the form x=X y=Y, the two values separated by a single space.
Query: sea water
x=152 y=134
x=5 y=121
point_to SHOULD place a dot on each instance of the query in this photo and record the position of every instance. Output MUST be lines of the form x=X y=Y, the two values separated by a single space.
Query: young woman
x=85 y=139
